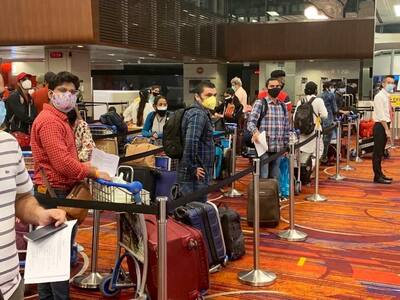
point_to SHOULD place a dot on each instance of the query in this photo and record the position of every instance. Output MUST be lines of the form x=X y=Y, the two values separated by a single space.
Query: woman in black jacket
x=231 y=108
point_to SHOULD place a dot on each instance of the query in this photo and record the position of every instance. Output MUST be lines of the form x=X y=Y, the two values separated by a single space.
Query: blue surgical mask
x=151 y=99
x=3 y=112
x=342 y=90
x=389 y=88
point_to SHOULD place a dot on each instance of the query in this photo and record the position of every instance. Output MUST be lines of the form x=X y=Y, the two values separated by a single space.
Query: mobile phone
x=43 y=232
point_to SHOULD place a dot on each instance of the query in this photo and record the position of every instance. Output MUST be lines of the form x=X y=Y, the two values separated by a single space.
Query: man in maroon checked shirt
x=54 y=152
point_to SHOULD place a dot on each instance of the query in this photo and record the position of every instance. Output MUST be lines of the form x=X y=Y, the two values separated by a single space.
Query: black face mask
x=161 y=113
x=274 y=92
x=156 y=94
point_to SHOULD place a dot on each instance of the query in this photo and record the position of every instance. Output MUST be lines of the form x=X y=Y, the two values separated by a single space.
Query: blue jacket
x=147 y=130
x=331 y=107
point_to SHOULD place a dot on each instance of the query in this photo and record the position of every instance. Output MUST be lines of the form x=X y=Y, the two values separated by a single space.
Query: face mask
x=63 y=102
x=332 y=90
x=3 y=112
x=389 y=88
x=26 y=84
x=155 y=94
x=274 y=92
x=342 y=90
x=162 y=111
x=210 y=103
x=228 y=98
x=234 y=88
x=31 y=92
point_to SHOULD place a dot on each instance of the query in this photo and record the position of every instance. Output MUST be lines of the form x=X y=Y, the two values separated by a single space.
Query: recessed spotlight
x=254 y=21
x=228 y=62
x=193 y=59
x=111 y=54
x=119 y=60
x=151 y=54
x=397 y=10
x=185 y=10
x=141 y=57
x=192 y=15
x=135 y=24
x=80 y=46
x=273 y=13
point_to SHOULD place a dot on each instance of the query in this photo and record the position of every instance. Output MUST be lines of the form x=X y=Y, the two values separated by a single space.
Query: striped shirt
x=14 y=179
x=275 y=123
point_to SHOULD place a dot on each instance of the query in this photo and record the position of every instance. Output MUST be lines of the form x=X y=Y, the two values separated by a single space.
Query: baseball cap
x=22 y=75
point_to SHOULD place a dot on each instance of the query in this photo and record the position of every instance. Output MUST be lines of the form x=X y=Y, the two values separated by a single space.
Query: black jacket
x=238 y=110
x=112 y=118
x=20 y=113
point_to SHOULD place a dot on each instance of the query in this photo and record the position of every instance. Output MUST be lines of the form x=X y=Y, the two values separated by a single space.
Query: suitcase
x=205 y=217
x=187 y=275
x=306 y=168
x=232 y=230
x=147 y=176
x=164 y=182
x=269 y=203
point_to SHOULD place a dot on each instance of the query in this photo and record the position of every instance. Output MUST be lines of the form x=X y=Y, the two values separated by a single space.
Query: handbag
x=80 y=191
x=229 y=111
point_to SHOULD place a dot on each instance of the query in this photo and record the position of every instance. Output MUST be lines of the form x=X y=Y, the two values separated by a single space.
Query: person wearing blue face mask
x=382 y=116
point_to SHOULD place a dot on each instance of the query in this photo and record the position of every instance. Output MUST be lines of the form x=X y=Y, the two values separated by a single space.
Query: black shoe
x=382 y=180
x=387 y=178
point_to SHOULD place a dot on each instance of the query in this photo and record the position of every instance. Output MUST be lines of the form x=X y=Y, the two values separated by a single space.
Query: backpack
x=172 y=135
x=304 y=117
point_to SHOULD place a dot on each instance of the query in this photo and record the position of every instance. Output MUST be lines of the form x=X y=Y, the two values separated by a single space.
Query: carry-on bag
x=205 y=217
x=269 y=203
x=164 y=183
x=187 y=265
x=232 y=230
x=141 y=145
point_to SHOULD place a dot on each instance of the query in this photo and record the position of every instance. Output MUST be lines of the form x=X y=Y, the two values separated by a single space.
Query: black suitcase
x=232 y=230
x=306 y=168
x=269 y=203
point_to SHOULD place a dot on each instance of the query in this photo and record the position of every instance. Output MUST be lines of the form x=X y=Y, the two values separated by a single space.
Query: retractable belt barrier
x=181 y=201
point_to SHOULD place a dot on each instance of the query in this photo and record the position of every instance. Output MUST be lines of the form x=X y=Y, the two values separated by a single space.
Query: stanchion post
x=316 y=197
x=232 y=193
x=358 y=158
x=347 y=167
x=162 y=249
x=93 y=280
x=396 y=124
x=256 y=277
x=292 y=234
x=337 y=176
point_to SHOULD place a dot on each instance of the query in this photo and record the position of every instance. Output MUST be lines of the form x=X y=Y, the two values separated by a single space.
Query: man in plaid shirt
x=196 y=165
x=275 y=123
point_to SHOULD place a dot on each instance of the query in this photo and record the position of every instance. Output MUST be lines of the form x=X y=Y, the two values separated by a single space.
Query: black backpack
x=172 y=135
x=304 y=117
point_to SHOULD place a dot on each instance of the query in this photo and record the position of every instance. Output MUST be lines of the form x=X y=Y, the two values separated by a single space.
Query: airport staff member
x=382 y=116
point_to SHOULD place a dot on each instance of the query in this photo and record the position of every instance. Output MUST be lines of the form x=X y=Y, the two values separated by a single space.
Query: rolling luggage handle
x=256 y=276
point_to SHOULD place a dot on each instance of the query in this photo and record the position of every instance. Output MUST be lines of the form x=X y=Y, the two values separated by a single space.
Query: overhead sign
x=56 y=54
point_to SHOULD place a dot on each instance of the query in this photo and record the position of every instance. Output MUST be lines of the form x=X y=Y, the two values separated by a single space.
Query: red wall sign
x=56 y=54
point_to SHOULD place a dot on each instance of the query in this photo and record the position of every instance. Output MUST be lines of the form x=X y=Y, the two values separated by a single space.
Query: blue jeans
x=57 y=290
x=271 y=170
x=187 y=187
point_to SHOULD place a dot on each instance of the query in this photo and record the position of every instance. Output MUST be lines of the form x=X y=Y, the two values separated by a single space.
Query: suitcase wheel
x=106 y=289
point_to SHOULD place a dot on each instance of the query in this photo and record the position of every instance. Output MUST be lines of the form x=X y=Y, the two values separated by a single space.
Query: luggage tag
x=42 y=189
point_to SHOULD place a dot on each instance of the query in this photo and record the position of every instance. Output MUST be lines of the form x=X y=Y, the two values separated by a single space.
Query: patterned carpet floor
x=352 y=250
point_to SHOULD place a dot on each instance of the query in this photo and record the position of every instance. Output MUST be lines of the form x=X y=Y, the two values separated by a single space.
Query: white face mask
x=26 y=84
x=162 y=108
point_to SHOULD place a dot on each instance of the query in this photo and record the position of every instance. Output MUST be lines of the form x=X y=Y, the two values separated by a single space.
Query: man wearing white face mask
x=20 y=109
x=56 y=157
x=382 y=115
x=196 y=165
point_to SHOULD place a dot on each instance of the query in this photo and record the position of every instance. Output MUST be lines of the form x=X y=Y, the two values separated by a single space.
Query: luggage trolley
x=109 y=144
x=132 y=239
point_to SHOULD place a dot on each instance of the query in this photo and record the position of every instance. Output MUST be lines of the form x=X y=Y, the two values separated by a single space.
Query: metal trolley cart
x=105 y=191
x=109 y=143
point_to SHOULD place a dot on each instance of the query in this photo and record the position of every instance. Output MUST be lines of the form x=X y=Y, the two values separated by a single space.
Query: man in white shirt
x=382 y=116
x=16 y=201
x=320 y=113
x=240 y=93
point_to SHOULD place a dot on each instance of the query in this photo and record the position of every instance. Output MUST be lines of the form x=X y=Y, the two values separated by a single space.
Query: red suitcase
x=187 y=261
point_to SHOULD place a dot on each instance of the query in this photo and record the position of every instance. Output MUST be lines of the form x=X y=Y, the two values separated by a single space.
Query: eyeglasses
x=64 y=90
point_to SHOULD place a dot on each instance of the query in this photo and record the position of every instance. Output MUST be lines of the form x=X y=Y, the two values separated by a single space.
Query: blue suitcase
x=164 y=182
x=205 y=217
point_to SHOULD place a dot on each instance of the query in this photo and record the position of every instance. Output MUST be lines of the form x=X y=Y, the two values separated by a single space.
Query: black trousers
x=380 y=140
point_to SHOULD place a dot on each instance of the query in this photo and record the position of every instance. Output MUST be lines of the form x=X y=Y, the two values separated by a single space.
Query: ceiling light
x=151 y=54
x=192 y=15
x=273 y=13
x=119 y=60
x=80 y=46
x=228 y=62
x=254 y=21
x=111 y=54
x=185 y=10
x=193 y=59
x=141 y=57
x=312 y=13
x=397 y=10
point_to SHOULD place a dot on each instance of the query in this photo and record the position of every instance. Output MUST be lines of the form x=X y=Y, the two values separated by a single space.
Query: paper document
x=48 y=259
x=105 y=162
x=261 y=145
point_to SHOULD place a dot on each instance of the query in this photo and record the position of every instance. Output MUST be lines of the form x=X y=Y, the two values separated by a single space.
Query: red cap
x=22 y=75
